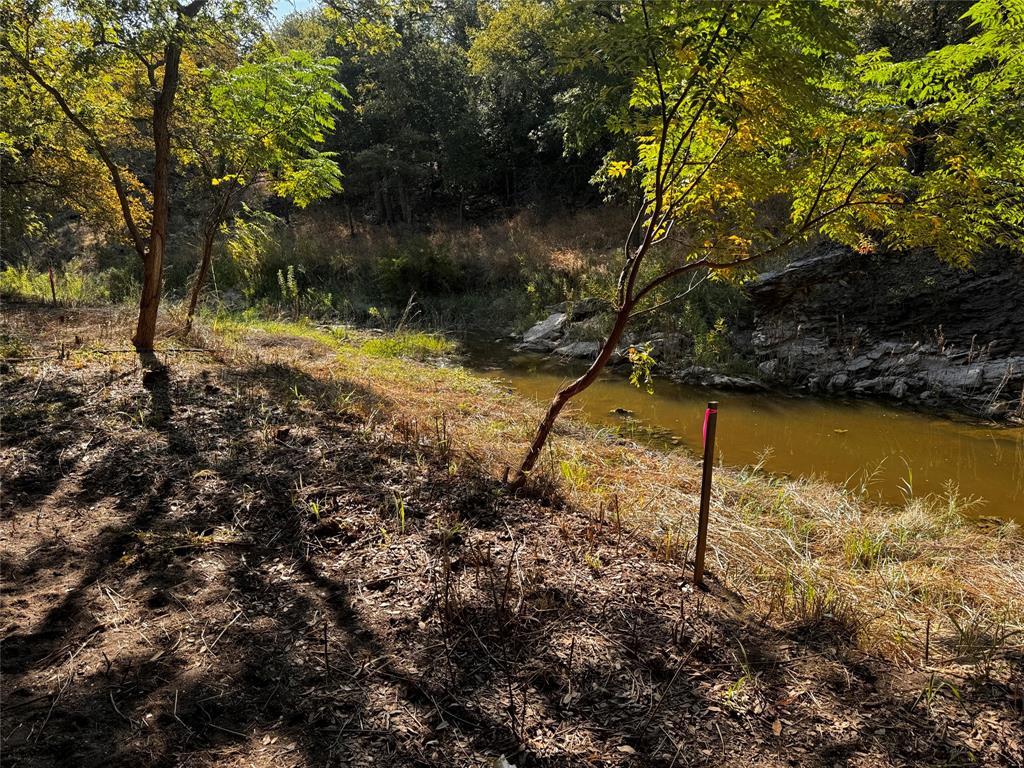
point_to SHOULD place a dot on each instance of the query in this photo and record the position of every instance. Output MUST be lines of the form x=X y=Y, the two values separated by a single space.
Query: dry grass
x=289 y=554
x=565 y=244
x=802 y=551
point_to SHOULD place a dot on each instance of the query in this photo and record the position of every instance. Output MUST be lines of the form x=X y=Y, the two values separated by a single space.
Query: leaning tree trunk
x=209 y=234
x=153 y=261
x=566 y=393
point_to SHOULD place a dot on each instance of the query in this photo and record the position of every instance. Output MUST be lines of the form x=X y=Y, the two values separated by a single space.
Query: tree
x=411 y=138
x=259 y=125
x=512 y=59
x=133 y=50
x=46 y=167
x=965 y=105
x=756 y=128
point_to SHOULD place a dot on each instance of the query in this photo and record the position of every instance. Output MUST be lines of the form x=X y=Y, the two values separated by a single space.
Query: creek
x=891 y=452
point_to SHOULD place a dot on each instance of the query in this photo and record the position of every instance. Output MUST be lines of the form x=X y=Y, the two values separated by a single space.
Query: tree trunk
x=567 y=393
x=153 y=261
x=209 y=234
x=389 y=216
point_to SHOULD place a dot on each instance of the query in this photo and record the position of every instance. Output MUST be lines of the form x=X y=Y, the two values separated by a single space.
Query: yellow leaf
x=618 y=168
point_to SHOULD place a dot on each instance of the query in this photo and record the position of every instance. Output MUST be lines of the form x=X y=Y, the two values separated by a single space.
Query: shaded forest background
x=474 y=147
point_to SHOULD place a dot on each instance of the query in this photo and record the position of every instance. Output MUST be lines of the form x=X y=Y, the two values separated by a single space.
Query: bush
x=75 y=285
x=418 y=266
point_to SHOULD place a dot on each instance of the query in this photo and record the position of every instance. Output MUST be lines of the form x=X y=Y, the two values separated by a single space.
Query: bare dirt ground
x=201 y=567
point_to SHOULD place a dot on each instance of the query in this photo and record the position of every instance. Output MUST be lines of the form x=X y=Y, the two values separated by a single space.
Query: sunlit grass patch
x=73 y=284
x=865 y=548
x=409 y=344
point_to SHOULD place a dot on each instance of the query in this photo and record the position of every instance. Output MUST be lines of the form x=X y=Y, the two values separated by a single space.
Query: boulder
x=583 y=308
x=838 y=382
x=548 y=329
x=859 y=364
x=542 y=346
x=579 y=349
x=880 y=385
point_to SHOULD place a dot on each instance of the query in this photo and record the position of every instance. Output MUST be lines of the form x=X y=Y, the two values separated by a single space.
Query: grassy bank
x=499 y=276
x=312 y=516
x=803 y=551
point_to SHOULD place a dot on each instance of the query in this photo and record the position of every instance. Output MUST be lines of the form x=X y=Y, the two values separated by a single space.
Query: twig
x=327 y=660
x=127 y=720
x=237 y=615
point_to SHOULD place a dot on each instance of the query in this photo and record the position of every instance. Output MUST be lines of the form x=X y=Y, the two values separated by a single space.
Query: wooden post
x=53 y=287
x=710 y=419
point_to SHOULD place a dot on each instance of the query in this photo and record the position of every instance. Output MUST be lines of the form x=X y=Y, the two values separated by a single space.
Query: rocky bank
x=903 y=327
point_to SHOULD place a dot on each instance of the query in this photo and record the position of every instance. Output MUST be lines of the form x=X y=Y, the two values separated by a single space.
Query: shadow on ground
x=209 y=567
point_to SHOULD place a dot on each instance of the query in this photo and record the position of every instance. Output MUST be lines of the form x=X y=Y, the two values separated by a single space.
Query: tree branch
x=115 y=172
x=690 y=289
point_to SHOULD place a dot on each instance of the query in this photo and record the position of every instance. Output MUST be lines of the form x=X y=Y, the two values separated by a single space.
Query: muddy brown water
x=895 y=452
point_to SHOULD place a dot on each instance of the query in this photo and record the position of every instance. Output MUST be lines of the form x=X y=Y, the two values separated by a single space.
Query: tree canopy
x=734 y=130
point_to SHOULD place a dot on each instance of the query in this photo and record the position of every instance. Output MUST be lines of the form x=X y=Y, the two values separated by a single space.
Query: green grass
x=865 y=548
x=415 y=345
x=233 y=326
x=409 y=344
x=75 y=285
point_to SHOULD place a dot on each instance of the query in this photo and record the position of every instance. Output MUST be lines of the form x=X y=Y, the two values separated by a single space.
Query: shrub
x=75 y=285
x=418 y=266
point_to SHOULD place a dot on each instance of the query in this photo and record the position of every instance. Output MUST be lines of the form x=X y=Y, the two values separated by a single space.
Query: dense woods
x=456 y=111
x=300 y=521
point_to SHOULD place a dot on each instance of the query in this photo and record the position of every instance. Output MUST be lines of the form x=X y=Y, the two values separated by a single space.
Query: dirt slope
x=204 y=566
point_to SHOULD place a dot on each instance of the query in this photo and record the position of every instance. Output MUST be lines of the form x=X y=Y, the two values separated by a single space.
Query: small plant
x=314 y=509
x=932 y=690
x=289 y=287
x=906 y=484
x=642 y=362
x=864 y=548
x=11 y=346
x=711 y=348
x=736 y=692
x=399 y=504
x=449 y=528
x=669 y=545
x=593 y=561
x=979 y=637
x=317 y=303
x=574 y=472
